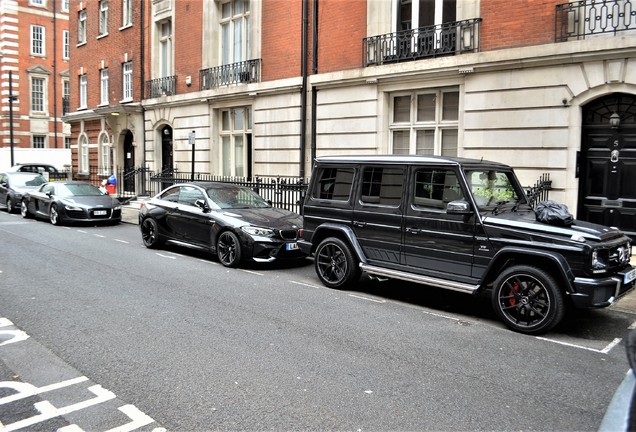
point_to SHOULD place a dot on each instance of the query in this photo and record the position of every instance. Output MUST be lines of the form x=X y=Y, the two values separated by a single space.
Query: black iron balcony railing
x=161 y=87
x=579 y=19
x=433 y=41
x=65 y=105
x=236 y=73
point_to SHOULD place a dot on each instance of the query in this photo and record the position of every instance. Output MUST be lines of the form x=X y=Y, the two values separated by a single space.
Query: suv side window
x=435 y=188
x=333 y=184
x=382 y=186
x=189 y=195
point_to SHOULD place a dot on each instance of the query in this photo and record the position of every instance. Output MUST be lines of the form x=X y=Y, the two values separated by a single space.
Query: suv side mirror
x=458 y=207
x=202 y=205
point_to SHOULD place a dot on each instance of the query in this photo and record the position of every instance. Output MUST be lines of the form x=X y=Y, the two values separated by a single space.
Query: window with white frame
x=65 y=5
x=104 y=86
x=127 y=81
x=38 y=88
x=235 y=30
x=36 y=2
x=412 y=14
x=65 y=44
x=81 y=27
x=103 y=17
x=83 y=153
x=425 y=122
x=165 y=48
x=67 y=142
x=104 y=154
x=235 y=135
x=66 y=92
x=38 y=141
x=37 y=40
x=127 y=10
x=83 y=91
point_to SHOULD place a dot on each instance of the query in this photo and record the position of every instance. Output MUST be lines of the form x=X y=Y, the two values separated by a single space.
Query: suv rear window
x=382 y=186
x=333 y=184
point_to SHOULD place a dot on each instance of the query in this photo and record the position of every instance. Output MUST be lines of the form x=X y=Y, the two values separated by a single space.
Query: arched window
x=83 y=154
x=104 y=155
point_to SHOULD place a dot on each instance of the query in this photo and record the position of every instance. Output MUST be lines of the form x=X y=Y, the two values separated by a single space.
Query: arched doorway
x=167 y=162
x=129 y=163
x=607 y=186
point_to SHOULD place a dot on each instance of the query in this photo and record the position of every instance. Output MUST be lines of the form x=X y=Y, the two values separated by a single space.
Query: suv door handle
x=359 y=223
x=412 y=230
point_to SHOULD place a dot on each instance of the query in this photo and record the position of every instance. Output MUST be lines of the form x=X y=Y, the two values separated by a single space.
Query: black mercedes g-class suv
x=463 y=225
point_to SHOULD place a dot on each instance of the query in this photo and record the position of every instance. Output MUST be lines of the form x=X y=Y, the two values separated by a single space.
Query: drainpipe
x=314 y=71
x=54 y=75
x=142 y=60
x=303 y=97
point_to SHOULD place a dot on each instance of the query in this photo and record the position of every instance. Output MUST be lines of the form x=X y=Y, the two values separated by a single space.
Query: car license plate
x=100 y=213
x=291 y=246
x=630 y=276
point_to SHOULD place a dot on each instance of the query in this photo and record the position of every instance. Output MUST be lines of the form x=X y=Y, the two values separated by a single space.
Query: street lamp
x=11 y=100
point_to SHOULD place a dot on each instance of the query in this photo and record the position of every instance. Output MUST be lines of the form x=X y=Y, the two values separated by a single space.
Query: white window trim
x=127 y=82
x=438 y=125
x=104 y=87
x=66 y=44
x=127 y=14
x=81 y=27
x=83 y=151
x=42 y=42
x=232 y=133
x=64 y=5
x=45 y=102
x=104 y=154
x=83 y=92
x=103 y=18
x=44 y=143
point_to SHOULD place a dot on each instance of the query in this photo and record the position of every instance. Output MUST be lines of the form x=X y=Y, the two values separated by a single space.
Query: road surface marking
x=121 y=241
x=442 y=316
x=305 y=284
x=99 y=235
x=253 y=272
x=367 y=298
x=605 y=350
x=165 y=256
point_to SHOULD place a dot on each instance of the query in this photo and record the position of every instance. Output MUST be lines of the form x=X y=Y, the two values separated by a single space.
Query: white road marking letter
x=16 y=336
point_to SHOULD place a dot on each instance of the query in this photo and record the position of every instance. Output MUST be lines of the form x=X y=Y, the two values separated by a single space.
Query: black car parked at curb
x=230 y=220
x=459 y=224
x=13 y=185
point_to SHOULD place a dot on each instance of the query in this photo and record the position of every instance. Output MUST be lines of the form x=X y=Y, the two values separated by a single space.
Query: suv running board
x=425 y=280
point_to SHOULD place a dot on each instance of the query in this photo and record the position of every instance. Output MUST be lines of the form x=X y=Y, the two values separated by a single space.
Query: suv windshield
x=492 y=188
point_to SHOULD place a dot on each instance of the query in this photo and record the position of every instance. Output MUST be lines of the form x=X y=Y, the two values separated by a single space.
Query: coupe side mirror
x=202 y=205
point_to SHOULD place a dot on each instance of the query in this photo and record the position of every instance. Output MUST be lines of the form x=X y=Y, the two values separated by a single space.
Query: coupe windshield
x=492 y=188
x=236 y=197
x=27 y=180
x=67 y=190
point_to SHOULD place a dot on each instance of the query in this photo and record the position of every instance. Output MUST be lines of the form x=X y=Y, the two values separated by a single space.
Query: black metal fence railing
x=285 y=193
x=540 y=191
x=445 y=39
x=236 y=73
x=166 y=86
x=578 y=19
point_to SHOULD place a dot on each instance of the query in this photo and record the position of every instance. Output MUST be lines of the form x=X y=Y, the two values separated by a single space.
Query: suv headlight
x=598 y=263
x=258 y=231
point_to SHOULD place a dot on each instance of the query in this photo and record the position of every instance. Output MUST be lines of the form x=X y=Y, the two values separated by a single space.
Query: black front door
x=166 y=155
x=129 y=163
x=607 y=185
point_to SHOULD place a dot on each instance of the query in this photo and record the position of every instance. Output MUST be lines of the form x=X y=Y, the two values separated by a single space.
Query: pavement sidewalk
x=130 y=214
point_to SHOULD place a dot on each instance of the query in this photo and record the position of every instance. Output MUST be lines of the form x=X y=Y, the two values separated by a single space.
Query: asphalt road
x=96 y=332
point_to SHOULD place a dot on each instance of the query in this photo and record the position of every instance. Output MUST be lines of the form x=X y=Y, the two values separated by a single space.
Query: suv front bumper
x=602 y=292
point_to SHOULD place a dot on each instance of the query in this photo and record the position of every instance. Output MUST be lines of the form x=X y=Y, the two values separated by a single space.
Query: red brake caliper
x=515 y=289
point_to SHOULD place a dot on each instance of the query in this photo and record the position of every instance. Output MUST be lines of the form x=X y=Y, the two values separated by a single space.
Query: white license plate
x=291 y=246
x=100 y=212
x=630 y=276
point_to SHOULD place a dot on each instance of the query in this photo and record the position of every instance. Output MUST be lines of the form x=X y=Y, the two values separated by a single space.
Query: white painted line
x=165 y=256
x=137 y=417
x=605 y=350
x=367 y=298
x=306 y=284
x=25 y=390
x=632 y=326
x=121 y=241
x=441 y=316
x=99 y=235
x=253 y=272
x=207 y=262
x=82 y=231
